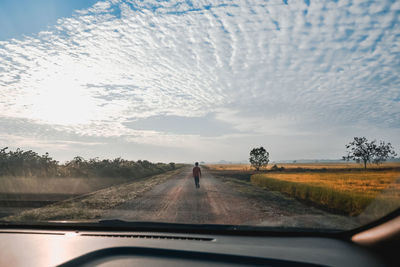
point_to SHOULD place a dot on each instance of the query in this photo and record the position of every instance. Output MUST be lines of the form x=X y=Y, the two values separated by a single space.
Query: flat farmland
x=341 y=188
x=346 y=192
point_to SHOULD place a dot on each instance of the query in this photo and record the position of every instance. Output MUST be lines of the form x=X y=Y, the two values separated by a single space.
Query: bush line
x=20 y=163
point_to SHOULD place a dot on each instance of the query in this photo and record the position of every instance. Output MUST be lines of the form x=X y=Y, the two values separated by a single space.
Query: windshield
x=280 y=114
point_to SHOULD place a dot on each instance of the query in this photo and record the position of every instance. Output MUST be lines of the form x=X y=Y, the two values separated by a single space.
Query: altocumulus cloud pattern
x=261 y=68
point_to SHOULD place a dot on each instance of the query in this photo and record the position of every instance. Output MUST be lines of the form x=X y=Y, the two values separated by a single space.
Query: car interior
x=152 y=244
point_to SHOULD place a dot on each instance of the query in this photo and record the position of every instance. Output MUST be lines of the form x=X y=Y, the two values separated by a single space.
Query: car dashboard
x=35 y=247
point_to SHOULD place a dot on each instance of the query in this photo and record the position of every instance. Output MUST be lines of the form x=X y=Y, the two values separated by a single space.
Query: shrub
x=276 y=168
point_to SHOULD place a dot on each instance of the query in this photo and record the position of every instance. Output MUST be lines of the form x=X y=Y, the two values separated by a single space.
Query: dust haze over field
x=189 y=81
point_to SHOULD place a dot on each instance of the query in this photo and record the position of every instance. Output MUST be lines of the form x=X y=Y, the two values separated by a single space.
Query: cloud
x=291 y=68
x=202 y=126
x=40 y=144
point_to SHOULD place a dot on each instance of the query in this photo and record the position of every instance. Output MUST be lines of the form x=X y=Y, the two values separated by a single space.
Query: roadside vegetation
x=20 y=163
x=29 y=180
x=92 y=206
x=344 y=192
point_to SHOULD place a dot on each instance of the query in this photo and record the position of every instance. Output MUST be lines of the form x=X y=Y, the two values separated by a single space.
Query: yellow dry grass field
x=369 y=183
x=344 y=165
x=349 y=192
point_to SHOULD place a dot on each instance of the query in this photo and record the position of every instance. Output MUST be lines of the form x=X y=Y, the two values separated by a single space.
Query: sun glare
x=62 y=100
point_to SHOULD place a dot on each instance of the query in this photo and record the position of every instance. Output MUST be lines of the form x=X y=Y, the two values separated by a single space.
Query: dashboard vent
x=153 y=237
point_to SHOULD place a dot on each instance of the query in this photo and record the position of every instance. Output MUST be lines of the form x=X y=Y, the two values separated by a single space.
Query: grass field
x=61 y=185
x=347 y=192
x=340 y=187
x=21 y=193
x=92 y=206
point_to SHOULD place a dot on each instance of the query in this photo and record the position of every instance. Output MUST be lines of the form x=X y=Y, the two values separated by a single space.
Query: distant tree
x=361 y=150
x=259 y=157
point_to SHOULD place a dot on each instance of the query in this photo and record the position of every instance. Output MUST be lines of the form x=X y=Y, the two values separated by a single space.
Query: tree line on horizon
x=30 y=164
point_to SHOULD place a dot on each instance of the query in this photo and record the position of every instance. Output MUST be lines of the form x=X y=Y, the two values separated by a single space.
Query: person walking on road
x=197 y=174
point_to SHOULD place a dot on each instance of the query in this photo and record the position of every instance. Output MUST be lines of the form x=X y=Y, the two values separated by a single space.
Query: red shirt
x=196 y=172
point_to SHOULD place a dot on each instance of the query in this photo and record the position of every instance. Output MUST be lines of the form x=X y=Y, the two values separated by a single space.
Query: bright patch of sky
x=199 y=80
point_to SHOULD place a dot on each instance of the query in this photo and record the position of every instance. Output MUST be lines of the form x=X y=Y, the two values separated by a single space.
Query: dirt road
x=221 y=201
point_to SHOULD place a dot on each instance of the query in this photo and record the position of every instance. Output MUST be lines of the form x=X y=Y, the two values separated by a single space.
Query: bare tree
x=361 y=150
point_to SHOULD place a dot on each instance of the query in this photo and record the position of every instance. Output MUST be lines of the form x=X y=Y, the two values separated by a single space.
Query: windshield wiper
x=151 y=226
x=183 y=227
x=162 y=225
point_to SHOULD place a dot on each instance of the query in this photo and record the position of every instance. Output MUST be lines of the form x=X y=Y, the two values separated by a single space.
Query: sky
x=203 y=80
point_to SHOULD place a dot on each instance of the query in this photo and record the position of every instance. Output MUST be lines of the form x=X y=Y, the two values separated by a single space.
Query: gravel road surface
x=221 y=201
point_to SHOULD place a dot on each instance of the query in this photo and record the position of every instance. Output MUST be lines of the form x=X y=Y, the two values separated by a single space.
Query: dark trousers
x=197 y=181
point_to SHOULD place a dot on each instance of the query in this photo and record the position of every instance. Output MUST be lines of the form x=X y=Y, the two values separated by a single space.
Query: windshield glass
x=280 y=113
